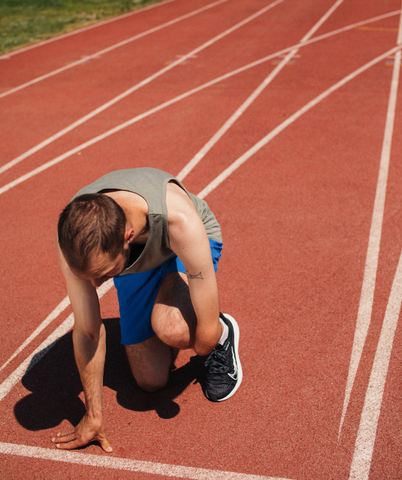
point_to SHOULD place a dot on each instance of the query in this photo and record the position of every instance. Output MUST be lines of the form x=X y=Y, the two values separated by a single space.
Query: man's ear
x=129 y=235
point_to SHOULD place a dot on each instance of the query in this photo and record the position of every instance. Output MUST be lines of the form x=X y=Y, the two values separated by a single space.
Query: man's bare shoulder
x=177 y=199
x=185 y=224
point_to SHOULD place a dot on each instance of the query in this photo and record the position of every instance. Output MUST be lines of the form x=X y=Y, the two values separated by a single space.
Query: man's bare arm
x=89 y=349
x=188 y=239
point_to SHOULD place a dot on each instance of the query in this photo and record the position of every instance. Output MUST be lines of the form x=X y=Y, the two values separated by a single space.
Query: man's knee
x=173 y=317
x=152 y=385
x=150 y=363
x=169 y=326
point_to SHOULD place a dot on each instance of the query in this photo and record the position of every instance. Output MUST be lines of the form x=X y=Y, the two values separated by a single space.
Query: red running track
x=284 y=116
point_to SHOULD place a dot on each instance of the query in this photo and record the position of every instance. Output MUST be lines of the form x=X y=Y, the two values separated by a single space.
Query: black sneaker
x=223 y=369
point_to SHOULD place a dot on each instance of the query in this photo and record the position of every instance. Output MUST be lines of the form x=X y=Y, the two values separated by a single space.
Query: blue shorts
x=137 y=294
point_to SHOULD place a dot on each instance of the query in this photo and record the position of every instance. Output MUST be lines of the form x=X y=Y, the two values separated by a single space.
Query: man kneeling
x=161 y=244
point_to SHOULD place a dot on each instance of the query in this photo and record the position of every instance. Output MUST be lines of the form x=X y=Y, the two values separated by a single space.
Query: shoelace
x=217 y=362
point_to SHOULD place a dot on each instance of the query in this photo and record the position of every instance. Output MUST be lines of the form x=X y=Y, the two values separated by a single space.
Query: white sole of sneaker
x=236 y=352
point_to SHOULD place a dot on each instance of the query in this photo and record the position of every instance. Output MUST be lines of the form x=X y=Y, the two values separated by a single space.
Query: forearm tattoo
x=194 y=277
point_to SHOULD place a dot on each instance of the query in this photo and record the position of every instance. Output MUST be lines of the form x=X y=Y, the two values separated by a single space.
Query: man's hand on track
x=85 y=432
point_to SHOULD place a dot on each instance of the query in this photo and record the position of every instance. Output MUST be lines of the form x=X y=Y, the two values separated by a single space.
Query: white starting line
x=104 y=461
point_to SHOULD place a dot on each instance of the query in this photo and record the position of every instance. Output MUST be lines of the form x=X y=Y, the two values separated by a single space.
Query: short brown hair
x=91 y=223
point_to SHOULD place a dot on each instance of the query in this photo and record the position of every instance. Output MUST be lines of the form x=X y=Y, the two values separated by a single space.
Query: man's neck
x=135 y=209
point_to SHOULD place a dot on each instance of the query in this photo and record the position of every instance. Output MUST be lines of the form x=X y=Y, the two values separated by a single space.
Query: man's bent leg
x=150 y=362
x=173 y=317
x=174 y=321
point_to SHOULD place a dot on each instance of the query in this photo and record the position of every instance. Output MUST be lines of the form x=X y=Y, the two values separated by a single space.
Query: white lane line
x=228 y=124
x=366 y=434
x=125 y=464
x=44 y=347
x=6 y=56
x=139 y=85
x=109 y=49
x=95 y=55
x=35 y=356
x=235 y=165
x=49 y=319
x=116 y=129
x=370 y=270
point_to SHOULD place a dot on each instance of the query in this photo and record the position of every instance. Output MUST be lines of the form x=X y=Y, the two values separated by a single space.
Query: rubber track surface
x=285 y=116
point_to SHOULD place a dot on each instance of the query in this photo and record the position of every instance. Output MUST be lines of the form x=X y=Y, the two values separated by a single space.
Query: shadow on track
x=55 y=385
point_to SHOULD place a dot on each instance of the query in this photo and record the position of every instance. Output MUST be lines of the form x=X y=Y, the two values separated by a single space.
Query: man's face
x=103 y=267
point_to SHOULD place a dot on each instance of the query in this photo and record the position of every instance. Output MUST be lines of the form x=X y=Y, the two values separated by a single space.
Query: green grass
x=23 y=22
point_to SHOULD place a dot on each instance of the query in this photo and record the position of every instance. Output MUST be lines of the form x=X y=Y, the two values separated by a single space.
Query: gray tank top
x=151 y=184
